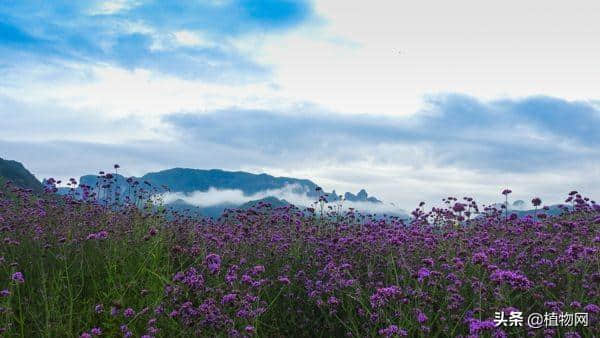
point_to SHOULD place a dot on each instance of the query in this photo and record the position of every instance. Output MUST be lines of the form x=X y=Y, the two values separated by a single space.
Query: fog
x=294 y=194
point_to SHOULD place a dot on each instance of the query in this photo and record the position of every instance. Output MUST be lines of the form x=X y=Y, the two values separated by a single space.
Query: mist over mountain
x=210 y=192
x=522 y=208
x=200 y=192
x=519 y=205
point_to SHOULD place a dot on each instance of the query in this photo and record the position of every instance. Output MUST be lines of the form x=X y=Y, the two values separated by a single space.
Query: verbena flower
x=229 y=298
x=129 y=312
x=514 y=279
x=213 y=262
x=393 y=330
x=423 y=273
x=18 y=277
x=592 y=308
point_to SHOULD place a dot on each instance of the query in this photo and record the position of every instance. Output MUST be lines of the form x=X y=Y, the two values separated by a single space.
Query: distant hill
x=273 y=201
x=519 y=205
x=181 y=207
x=186 y=181
x=361 y=196
x=189 y=180
x=553 y=210
x=16 y=173
x=521 y=208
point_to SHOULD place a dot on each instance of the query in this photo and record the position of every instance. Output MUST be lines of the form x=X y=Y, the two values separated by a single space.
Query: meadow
x=83 y=267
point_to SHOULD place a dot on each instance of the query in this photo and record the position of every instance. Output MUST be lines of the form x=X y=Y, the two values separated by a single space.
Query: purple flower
x=192 y=278
x=96 y=331
x=159 y=310
x=228 y=298
x=129 y=312
x=250 y=329
x=479 y=258
x=421 y=317
x=514 y=279
x=18 y=277
x=428 y=261
x=99 y=308
x=506 y=191
x=85 y=335
x=458 y=207
x=593 y=308
x=257 y=269
x=231 y=274
x=476 y=325
x=392 y=330
x=536 y=201
x=213 y=262
x=423 y=273
x=4 y=293
x=383 y=295
x=246 y=279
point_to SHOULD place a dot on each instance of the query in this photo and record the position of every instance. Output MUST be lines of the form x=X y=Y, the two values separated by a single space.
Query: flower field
x=84 y=268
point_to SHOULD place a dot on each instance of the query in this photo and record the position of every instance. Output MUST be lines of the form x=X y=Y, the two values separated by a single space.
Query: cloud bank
x=455 y=145
x=508 y=135
x=294 y=194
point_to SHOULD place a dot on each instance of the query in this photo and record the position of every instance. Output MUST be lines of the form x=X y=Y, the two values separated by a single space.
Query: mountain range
x=192 y=190
x=186 y=180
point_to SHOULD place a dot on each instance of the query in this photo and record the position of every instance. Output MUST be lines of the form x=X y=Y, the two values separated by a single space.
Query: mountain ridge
x=189 y=181
x=17 y=173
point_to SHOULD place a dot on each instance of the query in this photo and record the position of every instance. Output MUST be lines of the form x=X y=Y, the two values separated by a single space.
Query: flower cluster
x=281 y=271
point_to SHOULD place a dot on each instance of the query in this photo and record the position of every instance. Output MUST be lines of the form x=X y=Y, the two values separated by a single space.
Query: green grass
x=64 y=283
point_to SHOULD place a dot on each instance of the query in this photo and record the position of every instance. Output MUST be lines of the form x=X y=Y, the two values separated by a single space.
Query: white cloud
x=294 y=194
x=195 y=39
x=141 y=92
x=113 y=6
x=212 y=197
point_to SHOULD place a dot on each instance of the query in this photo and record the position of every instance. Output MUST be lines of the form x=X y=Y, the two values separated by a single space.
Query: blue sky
x=411 y=101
